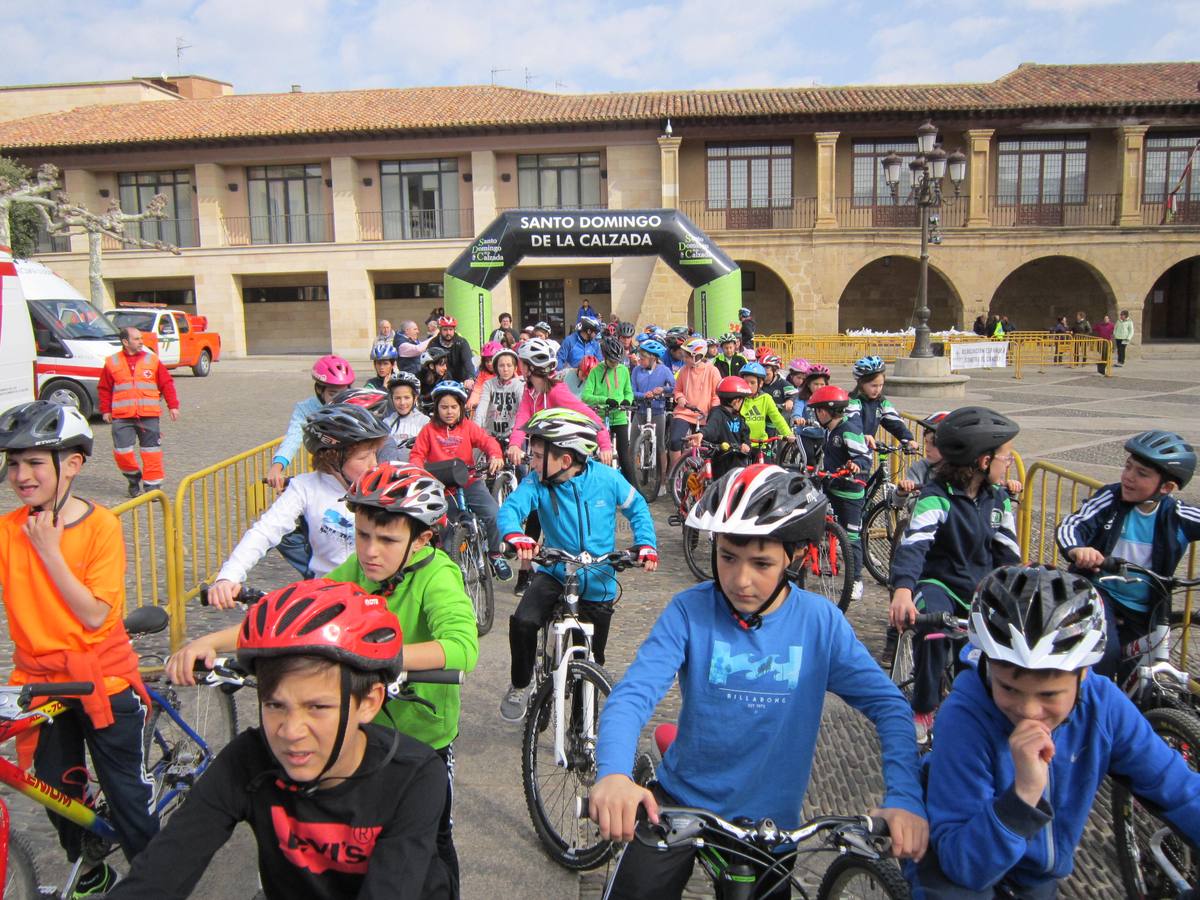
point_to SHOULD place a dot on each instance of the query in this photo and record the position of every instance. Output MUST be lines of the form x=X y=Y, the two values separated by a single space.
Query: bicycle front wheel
x=878 y=534
x=697 y=552
x=20 y=874
x=645 y=465
x=467 y=550
x=1133 y=824
x=903 y=666
x=503 y=485
x=175 y=759
x=553 y=788
x=677 y=478
x=857 y=877
x=826 y=568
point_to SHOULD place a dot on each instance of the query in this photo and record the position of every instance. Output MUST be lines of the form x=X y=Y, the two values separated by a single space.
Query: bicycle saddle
x=453 y=473
x=146 y=620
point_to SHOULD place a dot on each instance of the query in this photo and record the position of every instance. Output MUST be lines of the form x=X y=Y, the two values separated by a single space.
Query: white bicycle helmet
x=540 y=354
x=1038 y=617
x=762 y=501
x=43 y=425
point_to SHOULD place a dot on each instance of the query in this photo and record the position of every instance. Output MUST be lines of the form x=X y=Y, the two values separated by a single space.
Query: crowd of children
x=1001 y=802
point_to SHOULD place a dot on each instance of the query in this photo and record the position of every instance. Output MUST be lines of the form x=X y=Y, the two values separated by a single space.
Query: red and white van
x=17 y=355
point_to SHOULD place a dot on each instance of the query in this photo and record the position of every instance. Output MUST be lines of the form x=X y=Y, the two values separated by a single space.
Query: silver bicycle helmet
x=762 y=500
x=539 y=354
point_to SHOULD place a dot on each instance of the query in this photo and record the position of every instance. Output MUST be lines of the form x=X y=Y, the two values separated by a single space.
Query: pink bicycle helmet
x=798 y=366
x=490 y=349
x=333 y=371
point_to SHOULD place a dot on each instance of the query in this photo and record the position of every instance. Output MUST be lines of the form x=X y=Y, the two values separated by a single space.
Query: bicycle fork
x=566 y=654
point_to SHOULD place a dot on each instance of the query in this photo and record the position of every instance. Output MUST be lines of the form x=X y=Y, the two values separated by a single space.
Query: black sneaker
x=501 y=568
x=522 y=582
x=135 y=487
x=97 y=882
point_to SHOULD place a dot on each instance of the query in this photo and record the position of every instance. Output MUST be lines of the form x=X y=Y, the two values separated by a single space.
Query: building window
x=409 y=290
x=1044 y=171
x=870 y=186
x=559 y=181
x=287 y=205
x=749 y=281
x=178 y=227
x=420 y=199
x=1167 y=168
x=749 y=176
x=301 y=293
x=595 y=285
x=181 y=297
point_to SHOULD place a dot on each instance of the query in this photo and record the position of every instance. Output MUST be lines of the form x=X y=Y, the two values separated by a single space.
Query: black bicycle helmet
x=339 y=425
x=407 y=378
x=1165 y=451
x=626 y=329
x=1038 y=617
x=611 y=348
x=44 y=425
x=971 y=431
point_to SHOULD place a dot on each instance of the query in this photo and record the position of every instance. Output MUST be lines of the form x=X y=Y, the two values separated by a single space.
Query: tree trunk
x=95 y=279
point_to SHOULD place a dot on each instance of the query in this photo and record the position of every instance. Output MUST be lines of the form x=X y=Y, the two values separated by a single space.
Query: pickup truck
x=178 y=338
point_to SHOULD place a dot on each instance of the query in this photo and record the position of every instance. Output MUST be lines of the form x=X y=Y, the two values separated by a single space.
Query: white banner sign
x=979 y=355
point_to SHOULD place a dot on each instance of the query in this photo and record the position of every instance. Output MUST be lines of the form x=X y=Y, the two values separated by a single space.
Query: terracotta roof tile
x=251 y=116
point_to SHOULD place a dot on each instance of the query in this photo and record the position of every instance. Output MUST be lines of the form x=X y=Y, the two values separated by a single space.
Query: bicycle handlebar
x=618 y=559
x=247 y=596
x=227 y=670
x=1115 y=567
x=939 y=620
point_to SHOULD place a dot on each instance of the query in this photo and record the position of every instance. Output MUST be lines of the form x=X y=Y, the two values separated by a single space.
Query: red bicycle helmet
x=333 y=371
x=585 y=366
x=830 y=397
x=333 y=619
x=731 y=387
x=402 y=488
x=447 y=322
x=770 y=358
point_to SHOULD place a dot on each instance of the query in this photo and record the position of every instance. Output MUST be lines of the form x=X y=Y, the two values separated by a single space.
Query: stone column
x=1133 y=138
x=351 y=310
x=210 y=214
x=80 y=186
x=668 y=150
x=826 y=178
x=979 y=146
x=483 y=208
x=343 y=171
x=219 y=298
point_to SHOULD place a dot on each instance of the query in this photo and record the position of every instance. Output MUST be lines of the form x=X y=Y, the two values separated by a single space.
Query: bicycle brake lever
x=870 y=846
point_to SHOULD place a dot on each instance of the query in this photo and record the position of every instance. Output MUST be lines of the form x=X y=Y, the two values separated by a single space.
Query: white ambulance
x=71 y=337
x=17 y=355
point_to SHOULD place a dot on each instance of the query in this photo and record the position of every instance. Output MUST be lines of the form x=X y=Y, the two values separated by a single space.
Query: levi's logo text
x=318 y=847
x=755 y=681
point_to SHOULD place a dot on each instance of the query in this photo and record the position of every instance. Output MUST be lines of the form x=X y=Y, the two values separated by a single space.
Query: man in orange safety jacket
x=130 y=388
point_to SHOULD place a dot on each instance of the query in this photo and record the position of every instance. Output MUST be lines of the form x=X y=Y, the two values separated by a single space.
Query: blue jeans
x=481 y=502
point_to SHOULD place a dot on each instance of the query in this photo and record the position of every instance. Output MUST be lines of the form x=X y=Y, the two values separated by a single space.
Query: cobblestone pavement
x=1070 y=416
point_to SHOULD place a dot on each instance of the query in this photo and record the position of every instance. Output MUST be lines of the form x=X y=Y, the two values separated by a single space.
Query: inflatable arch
x=715 y=279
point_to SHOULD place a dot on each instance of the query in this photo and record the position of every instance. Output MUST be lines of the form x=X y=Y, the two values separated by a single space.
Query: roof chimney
x=295 y=89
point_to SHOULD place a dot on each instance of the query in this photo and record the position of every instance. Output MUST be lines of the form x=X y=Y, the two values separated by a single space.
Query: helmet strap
x=753 y=621
x=340 y=739
x=59 y=502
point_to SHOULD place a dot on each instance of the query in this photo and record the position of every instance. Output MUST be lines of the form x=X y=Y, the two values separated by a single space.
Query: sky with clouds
x=585 y=45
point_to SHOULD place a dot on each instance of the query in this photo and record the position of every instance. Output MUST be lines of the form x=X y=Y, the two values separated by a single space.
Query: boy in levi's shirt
x=62 y=570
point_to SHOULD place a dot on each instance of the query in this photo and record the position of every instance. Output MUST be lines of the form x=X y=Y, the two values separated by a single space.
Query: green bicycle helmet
x=567 y=429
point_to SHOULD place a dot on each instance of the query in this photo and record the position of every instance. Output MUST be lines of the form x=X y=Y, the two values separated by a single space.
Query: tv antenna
x=559 y=85
x=529 y=78
x=496 y=70
x=180 y=46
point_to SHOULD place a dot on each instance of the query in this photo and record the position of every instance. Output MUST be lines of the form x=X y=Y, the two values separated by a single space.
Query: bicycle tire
x=878 y=539
x=697 y=552
x=172 y=757
x=20 y=875
x=881 y=875
x=677 y=477
x=1193 y=648
x=790 y=456
x=570 y=840
x=646 y=467
x=904 y=665
x=835 y=580
x=504 y=484
x=470 y=556
x=1132 y=823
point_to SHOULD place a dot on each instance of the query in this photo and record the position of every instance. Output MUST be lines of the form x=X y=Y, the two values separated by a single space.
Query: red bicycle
x=821 y=566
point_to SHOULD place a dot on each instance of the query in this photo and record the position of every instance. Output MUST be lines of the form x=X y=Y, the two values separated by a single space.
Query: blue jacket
x=954 y=541
x=581 y=515
x=574 y=349
x=1099 y=521
x=752 y=703
x=982 y=831
x=295 y=432
x=646 y=380
x=878 y=412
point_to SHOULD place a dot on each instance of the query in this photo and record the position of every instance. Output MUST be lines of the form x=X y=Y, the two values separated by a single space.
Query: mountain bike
x=928 y=627
x=465 y=541
x=1158 y=855
x=185 y=728
x=646 y=463
x=558 y=749
x=1169 y=697
x=886 y=512
x=689 y=462
x=823 y=567
x=505 y=482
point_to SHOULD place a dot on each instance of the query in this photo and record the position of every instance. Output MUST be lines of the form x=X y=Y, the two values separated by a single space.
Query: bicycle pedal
x=674 y=520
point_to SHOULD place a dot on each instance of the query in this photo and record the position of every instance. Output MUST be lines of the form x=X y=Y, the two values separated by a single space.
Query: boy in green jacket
x=606 y=387
x=395 y=508
x=759 y=410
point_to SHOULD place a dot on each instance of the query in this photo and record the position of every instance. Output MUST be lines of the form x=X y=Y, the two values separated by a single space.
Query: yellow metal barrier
x=1051 y=494
x=215 y=506
x=1056 y=351
x=150 y=548
x=899 y=462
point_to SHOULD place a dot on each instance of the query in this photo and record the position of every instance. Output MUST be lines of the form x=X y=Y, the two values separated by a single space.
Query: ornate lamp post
x=926 y=171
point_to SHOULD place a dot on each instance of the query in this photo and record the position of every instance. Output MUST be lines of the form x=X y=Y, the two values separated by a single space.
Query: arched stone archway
x=1037 y=292
x=882 y=296
x=767 y=295
x=1172 y=307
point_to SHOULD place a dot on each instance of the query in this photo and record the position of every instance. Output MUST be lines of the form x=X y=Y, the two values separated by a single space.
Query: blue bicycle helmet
x=753 y=368
x=384 y=350
x=868 y=367
x=1165 y=451
x=454 y=388
x=744 y=312
x=654 y=348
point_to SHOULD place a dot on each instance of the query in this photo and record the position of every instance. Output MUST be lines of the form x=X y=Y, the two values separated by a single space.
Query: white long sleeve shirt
x=314 y=495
